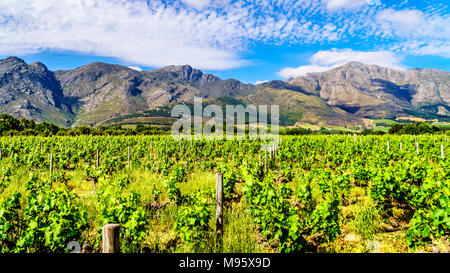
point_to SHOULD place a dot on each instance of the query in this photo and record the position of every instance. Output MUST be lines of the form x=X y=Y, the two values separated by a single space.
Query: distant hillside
x=32 y=91
x=100 y=93
x=373 y=91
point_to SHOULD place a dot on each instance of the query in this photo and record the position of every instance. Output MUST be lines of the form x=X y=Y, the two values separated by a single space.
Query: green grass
x=381 y=128
x=384 y=121
x=367 y=221
x=360 y=220
x=240 y=233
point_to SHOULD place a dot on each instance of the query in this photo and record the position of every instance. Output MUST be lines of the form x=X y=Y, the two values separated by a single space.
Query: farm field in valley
x=342 y=193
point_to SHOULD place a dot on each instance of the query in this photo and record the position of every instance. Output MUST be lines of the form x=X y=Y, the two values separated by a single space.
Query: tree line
x=11 y=126
x=417 y=128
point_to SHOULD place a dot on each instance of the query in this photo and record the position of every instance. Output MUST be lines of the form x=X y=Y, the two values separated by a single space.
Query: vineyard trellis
x=295 y=193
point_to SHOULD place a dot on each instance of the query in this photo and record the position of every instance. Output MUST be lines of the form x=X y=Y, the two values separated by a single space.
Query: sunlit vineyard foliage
x=342 y=193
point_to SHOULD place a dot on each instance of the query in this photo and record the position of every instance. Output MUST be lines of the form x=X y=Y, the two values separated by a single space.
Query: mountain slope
x=374 y=91
x=100 y=93
x=31 y=91
x=298 y=106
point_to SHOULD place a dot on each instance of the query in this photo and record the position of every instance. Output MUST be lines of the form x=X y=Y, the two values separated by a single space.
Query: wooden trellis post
x=219 y=207
x=388 y=145
x=51 y=164
x=111 y=238
x=265 y=161
x=129 y=159
x=442 y=152
x=98 y=160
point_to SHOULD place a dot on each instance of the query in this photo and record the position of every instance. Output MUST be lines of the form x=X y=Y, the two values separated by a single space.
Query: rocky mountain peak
x=277 y=84
x=12 y=60
x=99 y=67
x=376 y=91
x=184 y=72
x=31 y=91
x=40 y=68
x=12 y=64
x=83 y=76
x=96 y=92
x=354 y=64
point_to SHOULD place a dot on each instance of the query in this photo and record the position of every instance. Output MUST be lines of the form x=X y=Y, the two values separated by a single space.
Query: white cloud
x=416 y=32
x=137 y=68
x=261 y=82
x=209 y=34
x=439 y=49
x=156 y=33
x=325 y=60
x=414 y=24
x=334 y=5
x=197 y=4
x=375 y=2
x=336 y=57
x=436 y=48
x=404 y=21
x=290 y=72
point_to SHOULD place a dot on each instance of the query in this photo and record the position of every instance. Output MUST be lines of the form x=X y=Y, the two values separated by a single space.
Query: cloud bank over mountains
x=325 y=60
x=218 y=35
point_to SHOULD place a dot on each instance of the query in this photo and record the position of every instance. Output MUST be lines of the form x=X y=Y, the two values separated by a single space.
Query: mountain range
x=349 y=96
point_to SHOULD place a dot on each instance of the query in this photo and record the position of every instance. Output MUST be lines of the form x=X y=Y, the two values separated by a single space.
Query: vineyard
x=343 y=193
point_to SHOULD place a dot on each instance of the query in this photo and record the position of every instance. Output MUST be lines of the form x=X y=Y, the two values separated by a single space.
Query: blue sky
x=252 y=41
